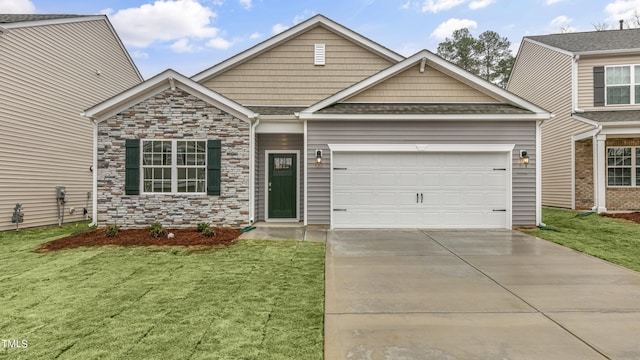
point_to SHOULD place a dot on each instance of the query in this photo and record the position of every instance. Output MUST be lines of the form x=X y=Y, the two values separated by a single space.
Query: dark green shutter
x=214 y=166
x=598 y=86
x=132 y=167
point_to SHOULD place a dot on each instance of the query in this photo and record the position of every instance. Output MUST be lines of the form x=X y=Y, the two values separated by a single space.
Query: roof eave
x=161 y=82
x=424 y=117
x=67 y=20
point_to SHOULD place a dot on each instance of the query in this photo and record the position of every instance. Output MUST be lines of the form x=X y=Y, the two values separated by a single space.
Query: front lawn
x=252 y=300
x=614 y=240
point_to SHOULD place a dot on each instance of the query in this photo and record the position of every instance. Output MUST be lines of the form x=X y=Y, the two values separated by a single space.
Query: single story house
x=319 y=125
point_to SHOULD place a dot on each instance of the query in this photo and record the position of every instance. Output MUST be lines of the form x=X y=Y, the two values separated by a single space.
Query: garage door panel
x=420 y=190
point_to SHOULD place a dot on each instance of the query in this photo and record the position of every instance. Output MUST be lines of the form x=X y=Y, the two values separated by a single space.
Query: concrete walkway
x=415 y=294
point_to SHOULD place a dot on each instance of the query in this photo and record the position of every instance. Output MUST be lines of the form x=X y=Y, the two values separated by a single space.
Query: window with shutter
x=132 y=167
x=214 y=166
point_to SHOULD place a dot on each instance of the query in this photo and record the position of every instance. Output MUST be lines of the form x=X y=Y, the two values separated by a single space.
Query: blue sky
x=192 y=35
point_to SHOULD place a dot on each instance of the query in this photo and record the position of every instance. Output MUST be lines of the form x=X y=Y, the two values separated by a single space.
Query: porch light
x=524 y=158
x=318 y=157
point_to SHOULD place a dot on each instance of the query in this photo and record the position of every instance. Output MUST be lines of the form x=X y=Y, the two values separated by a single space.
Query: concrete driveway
x=423 y=294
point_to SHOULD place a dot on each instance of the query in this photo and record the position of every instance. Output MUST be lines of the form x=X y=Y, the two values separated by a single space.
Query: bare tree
x=601 y=26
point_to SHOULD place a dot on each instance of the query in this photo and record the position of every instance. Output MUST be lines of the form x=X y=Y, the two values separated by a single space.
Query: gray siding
x=277 y=142
x=319 y=134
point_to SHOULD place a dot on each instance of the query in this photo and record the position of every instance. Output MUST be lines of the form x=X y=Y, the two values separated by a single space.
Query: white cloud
x=435 y=6
x=278 y=28
x=622 y=9
x=247 y=4
x=182 y=46
x=551 y=2
x=137 y=54
x=560 y=21
x=479 y=4
x=17 y=7
x=164 y=20
x=448 y=27
x=255 y=36
x=219 y=43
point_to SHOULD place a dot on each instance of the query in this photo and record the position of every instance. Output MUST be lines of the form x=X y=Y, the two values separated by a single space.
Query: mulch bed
x=634 y=216
x=141 y=237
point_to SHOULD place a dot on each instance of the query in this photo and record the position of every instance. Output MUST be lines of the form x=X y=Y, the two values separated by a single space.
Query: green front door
x=282 y=186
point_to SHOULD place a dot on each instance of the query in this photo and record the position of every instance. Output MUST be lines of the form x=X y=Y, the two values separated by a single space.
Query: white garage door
x=425 y=190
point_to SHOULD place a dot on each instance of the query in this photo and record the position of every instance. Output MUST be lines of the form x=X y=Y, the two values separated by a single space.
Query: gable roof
x=515 y=106
x=15 y=21
x=627 y=40
x=284 y=36
x=167 y=79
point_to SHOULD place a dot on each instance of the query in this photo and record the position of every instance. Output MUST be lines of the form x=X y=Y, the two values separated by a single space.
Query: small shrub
x=156 y=230
x=208 y=232
x=202 y=227
x=112 y=231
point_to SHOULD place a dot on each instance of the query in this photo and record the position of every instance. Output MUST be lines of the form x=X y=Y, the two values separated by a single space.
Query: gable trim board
x=291 y=33
x=433 y=61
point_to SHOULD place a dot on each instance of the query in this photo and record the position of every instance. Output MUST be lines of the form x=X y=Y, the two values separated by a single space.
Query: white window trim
x=174 y=168
x=632 y=85
x=634 y=166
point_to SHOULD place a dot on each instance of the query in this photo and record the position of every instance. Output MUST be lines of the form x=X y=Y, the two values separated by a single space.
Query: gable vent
x=319 y=54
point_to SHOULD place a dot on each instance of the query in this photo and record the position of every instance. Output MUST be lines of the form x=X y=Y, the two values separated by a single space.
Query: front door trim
x=266 y=185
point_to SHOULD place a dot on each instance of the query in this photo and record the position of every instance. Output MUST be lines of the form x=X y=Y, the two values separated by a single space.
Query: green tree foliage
x=488 y=56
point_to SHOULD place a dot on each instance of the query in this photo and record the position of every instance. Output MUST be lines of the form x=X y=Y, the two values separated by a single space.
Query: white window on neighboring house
x=623 y=166
x=174 y=166
x=622 y=84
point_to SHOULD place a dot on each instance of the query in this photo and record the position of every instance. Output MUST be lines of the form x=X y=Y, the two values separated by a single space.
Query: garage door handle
x=421 y=198
x=417 y=198
x=496 y=210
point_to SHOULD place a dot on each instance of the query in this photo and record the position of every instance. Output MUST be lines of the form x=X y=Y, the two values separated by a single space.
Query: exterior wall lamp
x=318 y=157
x=524 y=158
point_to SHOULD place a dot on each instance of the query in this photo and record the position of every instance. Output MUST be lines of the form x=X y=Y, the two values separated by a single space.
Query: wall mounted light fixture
x=524 y=158
x=318 y=157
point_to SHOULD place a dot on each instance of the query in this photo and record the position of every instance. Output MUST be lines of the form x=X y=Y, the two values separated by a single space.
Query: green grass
x=253 y=300
x=614 y=240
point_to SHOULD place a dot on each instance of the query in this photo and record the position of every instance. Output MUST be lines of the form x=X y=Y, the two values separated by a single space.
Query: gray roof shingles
x=398 y=109
x=418 y=109
x=14 y=18
x=592 y=41
x=611 y=116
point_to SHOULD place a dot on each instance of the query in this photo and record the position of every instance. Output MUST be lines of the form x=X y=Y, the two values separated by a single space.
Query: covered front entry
x=282 y=186
x=418 y=189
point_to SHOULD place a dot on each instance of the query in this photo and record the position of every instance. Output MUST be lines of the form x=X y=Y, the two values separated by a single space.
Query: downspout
x=252 y=178
x=539 y=173
x=596 y=161
x=94 y=173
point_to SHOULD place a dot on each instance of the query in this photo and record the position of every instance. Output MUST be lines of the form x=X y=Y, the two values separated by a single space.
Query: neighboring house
x=318 y=125
x=590 y=81
x=52 y=67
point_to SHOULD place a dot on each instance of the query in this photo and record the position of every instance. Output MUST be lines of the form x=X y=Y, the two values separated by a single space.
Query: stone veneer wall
x=623 y=198
x=173 y=115
x=584 y=174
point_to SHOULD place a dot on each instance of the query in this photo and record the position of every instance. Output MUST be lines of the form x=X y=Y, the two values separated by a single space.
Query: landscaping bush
x=112 y=231
x=202 y=227
x=156 y=230
x=208 y=232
